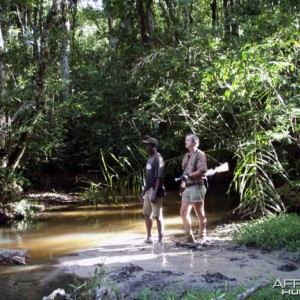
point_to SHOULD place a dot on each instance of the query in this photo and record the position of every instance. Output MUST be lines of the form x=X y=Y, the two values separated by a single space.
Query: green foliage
x=26 y=209
x=257 y=163
x=266 y=293
x=11 y=183
x=271 y=233
x=290 y=193
x=240 y=96
x=91 y=288
x=234 y=81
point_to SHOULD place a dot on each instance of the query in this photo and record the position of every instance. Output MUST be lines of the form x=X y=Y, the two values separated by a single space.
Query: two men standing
x=192 y=188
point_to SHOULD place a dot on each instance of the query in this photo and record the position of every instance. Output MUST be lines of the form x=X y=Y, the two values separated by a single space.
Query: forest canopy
x=75 y=79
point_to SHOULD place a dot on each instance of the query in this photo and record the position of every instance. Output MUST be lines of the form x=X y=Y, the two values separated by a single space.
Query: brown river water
x=58 y=233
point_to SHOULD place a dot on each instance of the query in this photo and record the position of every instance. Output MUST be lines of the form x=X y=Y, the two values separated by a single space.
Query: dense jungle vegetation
x=76 y=78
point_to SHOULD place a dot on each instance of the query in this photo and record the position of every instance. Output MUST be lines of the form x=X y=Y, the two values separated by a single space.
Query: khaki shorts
x=194 y=193
x=152 y=209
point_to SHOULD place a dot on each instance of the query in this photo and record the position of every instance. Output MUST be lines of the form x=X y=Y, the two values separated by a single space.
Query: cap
x=151 y=140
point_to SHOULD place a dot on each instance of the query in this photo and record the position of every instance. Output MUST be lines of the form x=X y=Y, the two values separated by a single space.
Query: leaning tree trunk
x=43 y=57
x=9 y=257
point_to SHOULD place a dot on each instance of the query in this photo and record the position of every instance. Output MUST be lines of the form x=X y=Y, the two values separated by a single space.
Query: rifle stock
x=222 y=168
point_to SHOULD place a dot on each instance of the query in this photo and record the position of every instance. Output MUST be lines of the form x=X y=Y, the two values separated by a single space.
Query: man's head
x=191 y=141
x=151 y=145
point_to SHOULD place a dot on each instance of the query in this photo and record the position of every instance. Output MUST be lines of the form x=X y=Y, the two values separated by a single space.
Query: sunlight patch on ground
x=160 y=257
x=14 y=269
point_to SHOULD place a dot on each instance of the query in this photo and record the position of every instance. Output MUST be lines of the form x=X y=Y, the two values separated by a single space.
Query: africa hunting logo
x=289 y=287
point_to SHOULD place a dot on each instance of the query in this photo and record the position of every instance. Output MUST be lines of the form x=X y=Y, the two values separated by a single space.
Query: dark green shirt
x=154 y=168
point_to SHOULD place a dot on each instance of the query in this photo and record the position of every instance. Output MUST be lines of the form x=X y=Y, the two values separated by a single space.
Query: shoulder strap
x=198 y=153
x=186 y=163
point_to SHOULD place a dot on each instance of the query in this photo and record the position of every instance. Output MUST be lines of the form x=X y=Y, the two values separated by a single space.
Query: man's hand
x=141 y=197
x=182 y=187
x=184 y=176
x=181 y=190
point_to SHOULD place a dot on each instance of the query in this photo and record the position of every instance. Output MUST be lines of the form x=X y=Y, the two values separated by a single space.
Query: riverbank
x=216 y=263
x=68 y=238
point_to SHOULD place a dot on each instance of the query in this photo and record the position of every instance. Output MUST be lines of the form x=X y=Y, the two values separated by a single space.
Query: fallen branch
x=251 y=291
x=13 y=257
x=60 y=292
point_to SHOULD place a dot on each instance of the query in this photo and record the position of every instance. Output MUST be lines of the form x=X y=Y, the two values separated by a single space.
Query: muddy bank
x=32 y=204
x=132 y=266
x=9 y=257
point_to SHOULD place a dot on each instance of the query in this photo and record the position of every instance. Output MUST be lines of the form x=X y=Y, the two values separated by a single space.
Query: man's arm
x=158 y=184
x=159 y=173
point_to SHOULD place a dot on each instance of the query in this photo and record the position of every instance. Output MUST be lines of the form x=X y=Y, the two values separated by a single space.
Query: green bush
x=271 y=233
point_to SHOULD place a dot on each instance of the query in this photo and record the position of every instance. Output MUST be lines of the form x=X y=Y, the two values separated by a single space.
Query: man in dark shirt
x=153 y=190
x=194 y=167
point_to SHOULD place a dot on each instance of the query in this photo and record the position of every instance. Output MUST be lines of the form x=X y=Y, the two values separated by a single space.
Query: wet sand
x=214 y=263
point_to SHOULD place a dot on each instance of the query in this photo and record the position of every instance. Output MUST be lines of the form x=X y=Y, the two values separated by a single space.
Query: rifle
x=222 y=168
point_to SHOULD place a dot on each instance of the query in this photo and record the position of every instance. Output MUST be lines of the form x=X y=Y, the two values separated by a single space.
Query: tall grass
x=126 y=176
x=257 y=164
x=271 y=233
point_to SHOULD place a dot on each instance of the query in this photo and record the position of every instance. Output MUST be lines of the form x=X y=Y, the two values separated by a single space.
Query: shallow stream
x=57 y=233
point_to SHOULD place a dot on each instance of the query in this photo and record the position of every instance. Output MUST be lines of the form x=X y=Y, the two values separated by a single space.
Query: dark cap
x=151 y=140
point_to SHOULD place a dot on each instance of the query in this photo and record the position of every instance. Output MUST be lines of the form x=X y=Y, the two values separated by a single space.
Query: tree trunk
x=150 y=18
x=188 y=8
x=233 y=13
x=65 y=49
x=43 y=52
x=111 y=37
x=142 y=20
x=2 y=90
x=226 y=18
x=213 y=6
x=171 y=11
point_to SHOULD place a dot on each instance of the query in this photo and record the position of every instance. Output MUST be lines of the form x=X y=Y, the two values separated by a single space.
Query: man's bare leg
x=200 y=213
x=148 y=223
x=160 y=228
x=185 y=212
